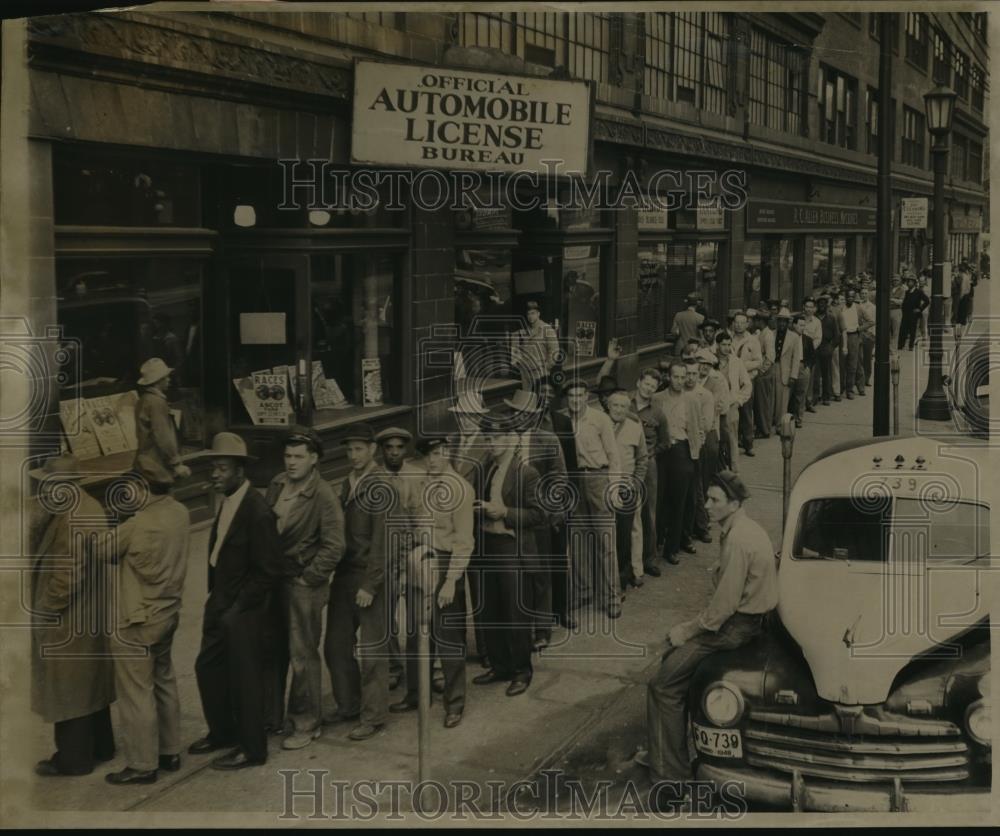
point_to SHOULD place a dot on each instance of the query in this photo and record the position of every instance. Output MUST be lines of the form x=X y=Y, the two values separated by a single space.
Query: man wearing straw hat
x=536 y=348
x=157 y=453
x=73 y=688
x=245 y=565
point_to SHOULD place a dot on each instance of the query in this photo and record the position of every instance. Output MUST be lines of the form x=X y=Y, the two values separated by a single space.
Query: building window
x=483 y=310
x=116 y=313
x=875 y=28
x=871 y=120
x=966 y=159
x=687 y=55
x=579 y=42
x=907 y=253
x=913 y=137
x=961 y=66
x=777 y=83
x=942 y=63
x=916 y=39
x=837 y=108
x=658 y=41
x=651 y=294
x=977 y=80
x=979 y=24
x=394 y=20
x=962 y=245
x=974 y=166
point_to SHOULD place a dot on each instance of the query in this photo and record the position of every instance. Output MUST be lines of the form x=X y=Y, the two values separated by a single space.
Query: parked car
x=869 y=689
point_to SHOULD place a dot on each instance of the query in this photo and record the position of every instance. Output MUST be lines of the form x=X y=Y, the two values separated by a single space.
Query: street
x=584 y=713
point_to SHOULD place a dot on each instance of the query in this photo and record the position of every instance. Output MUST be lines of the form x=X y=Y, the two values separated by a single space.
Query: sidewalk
x=584 y=711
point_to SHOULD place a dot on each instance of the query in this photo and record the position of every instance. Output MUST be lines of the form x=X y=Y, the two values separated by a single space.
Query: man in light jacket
x=157 y=453
x=740 y=391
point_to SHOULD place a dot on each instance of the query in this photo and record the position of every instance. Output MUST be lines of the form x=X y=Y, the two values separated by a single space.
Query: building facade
x=155 y=141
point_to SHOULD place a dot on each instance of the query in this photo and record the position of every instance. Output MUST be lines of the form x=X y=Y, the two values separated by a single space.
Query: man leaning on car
x=746 y=589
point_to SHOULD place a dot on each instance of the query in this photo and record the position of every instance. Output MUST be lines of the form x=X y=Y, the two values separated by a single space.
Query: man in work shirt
x=686 y=324
x=763 y=384
x=740 y=390
x=657 y=436
x=827 y=352
x=812 y=330
x=746 y=347
x=157 y=453
x=896 y=294
x=632 y=450
x=866 y=325
x=536 y=347
x=695 y=516
x=788 y=347
x=746 y=589
x=850 y=344
x=678 y=462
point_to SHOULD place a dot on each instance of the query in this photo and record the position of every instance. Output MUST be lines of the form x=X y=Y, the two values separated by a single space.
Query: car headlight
x=723 y=704
x=978 y=721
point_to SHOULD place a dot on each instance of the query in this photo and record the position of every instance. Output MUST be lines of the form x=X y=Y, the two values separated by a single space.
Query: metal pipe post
x=787 y=445
x=883 y=232
x=894 y=372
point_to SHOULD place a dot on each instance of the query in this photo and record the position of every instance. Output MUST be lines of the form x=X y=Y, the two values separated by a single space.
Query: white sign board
x=711 y=218
x=913 y=213
x=653 y=219
x=431 y=117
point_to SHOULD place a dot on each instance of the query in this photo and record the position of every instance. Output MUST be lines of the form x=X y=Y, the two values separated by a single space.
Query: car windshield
x=846 y=528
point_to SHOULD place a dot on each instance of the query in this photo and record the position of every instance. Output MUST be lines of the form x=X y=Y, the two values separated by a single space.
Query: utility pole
x=883 y=230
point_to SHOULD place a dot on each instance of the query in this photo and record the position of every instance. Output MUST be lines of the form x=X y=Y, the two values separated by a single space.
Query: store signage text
x=415 y=116
x=913 y=213
x=767 y=215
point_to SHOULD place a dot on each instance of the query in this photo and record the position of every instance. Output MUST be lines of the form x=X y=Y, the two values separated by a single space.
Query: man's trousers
x=507 y=619
x=763 y=401
x=82 y=741
x=360 y=685
x=852 y=360
x=677 y=475
x=666 y=696
x=149 y=709
x=592 y=542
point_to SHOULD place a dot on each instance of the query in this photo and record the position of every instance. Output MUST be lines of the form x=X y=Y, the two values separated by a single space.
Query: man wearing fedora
x=151 y=550
x=72 y=676
x=746 y=589
x=245 y=566
x=509 y=512
x=536 y=348
x=358 y=599
x=469 y=454
x=594 y=563
x=788 y=350
x=157 y=453
x=310 y=524
x=404 y=476
x=540 y=448
x=446 y=501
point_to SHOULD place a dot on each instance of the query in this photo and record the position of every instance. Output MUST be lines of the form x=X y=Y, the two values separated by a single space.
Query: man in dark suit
x=509 y=511
x=358 y=597
x=913 y=305
x=245 y=565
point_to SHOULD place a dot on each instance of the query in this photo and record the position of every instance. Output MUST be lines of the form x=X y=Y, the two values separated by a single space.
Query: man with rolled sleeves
x=746 y=348
x=394 y=443
x=157 y=453
x=678 y=461
x=447 y=513
x=151 y=553
x=657 y=436
x=310 y=525
x=634 y=459
x=788 y=349
x=686 y=323
x=245 y=566
x=695 y=516
x=746 y=589
x=595 y=571
x=763 y=384
x=358 y=598
x=713 y=383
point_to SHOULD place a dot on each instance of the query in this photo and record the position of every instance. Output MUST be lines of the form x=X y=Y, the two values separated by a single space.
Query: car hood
x=871 y=620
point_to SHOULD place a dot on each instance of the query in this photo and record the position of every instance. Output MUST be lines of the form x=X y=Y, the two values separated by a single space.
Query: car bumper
x=799 y=793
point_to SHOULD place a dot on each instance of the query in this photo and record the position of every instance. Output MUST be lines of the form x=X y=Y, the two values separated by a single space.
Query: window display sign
x=262 y=328
x=433 y=117
x=107 y=426
x=586 y=337
x=327 y=393
x=371 y=381
x=653 y=220
x=79 y=431
x=913 y=213
x=711 y=219
x=265 y=396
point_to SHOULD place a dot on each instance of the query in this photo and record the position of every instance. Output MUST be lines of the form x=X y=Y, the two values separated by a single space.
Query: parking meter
x=787 y=444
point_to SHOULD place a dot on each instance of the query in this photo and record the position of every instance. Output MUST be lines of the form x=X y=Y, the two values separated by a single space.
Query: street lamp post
x=939 y=104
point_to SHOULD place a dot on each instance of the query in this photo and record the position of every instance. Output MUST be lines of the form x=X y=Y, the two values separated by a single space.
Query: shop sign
x=474 y=218
x=711 y=219
x=271 y=405
x=781 y=216
x=913 y=213
x=653 y=220
x=965 y=223
x=430 y=117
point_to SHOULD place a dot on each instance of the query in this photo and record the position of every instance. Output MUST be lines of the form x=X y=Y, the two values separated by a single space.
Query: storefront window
x=581 y=300
x=651 y=294
x=907 y=253
x=485 y=311
x=821 y=262
x=868 y=252
x=92 y=190
x=783 y=269
x=115 y=315
x=838 y=258
x=752 y=287
x=354 y=335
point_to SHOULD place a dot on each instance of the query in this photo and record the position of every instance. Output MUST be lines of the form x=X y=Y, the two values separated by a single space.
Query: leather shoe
x=749 y=453
x=850 y=396
x=453 y=719
x=704 y=537
x=824 y=403
x=836 y=398
x=567 y=621
x=810 y=409
x=207 y=744
x=489 y=678
x=402 y=707
x=484 y=662
x=237 y=759
x=363 y=731
x=335 y=717
x=518 y=686
x=615 y=611
x=652 y=570
x=688 y=548
x=49 y=769
x=861 y=393
x=672 y=559
x=170 y=763
x=637 y=582
x=131 y=776
x=798 y=423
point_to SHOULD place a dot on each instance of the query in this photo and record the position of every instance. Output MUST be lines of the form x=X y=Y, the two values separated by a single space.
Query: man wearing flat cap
x=72 y=678
x=157 y=452
x=394 y=444
x=447 y=515
x=357 y=594
x=245 y=567
x=311 y=536
x=746 y=589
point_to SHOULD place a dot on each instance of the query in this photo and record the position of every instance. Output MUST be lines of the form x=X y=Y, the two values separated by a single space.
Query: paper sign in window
x=262 y=328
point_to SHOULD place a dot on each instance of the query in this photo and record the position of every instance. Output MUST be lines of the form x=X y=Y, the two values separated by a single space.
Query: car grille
x=877 y=750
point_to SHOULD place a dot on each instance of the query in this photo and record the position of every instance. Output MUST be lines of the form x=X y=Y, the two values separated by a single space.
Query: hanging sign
x=913 y=213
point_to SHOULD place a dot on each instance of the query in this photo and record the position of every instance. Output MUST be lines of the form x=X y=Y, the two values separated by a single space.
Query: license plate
x=720 y=743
